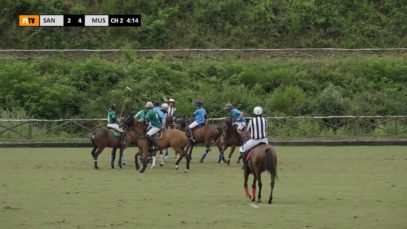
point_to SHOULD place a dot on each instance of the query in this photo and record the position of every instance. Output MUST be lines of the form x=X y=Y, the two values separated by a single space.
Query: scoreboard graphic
x=78 y=20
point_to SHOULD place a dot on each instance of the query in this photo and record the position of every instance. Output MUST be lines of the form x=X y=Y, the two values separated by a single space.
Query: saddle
x=115 y=132
x=250 y=153
x=159 y=135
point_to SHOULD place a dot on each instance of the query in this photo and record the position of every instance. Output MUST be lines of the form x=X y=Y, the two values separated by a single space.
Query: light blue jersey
x=200 y=115
x=235 y=113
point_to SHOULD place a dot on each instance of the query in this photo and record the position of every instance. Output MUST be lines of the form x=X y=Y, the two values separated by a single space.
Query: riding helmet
x=258 y=111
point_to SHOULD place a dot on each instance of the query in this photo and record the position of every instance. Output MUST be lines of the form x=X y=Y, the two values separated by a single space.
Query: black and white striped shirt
x=171 y=111
x=258 y=127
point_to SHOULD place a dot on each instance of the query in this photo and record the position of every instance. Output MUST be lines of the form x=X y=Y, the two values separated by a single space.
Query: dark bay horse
x=170 y=138
x=232 y=138
x=261 y=158
x=202 y=134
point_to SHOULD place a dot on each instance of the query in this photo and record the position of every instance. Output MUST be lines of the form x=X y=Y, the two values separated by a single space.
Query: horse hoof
x=176 y=167
x=186 y=171
x=201 y=161
x=258 y=201
x=228 y=162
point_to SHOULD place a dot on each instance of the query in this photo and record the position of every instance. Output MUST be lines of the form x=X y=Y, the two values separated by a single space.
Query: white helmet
x=164 y=106
x=171 y=100
x=258 y=111
x=149 y=105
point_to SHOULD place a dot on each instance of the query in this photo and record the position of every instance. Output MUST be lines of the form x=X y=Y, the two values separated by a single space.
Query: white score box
x=51 y=20
x=96 y=20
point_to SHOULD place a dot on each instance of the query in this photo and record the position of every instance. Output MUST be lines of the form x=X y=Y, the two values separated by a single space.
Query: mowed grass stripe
x=318 y=187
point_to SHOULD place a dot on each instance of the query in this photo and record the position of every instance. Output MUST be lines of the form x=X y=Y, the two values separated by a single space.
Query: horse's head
x=181 y=123
x=127 y=123
x=228 y=127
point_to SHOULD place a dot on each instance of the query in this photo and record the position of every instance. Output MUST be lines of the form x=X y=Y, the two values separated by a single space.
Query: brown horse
x=262 y=157
x=103 y=138
x=202 y=134
x=232 y=138
x=170 y=138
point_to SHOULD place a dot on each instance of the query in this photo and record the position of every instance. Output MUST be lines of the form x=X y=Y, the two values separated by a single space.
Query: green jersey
x=111 y=117
x=152 y=116
x=141 y=115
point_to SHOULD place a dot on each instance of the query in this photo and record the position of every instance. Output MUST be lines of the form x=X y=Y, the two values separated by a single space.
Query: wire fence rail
x=209 y=50
x=311 y=127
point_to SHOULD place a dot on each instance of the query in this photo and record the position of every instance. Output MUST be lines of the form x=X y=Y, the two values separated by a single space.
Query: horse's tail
x=270 y=164
x=92 y=137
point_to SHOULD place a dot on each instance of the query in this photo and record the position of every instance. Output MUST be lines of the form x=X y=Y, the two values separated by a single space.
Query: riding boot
x=244 y=160
x=151 y=142
x=123 y=139
x=190 y=134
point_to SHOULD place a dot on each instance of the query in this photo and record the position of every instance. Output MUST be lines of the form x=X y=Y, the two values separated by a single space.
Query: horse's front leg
x=232 y=149
x=207 y=149
x=221 y=154
x=179 y=159
x=145 y=162
x=120 y=162
x=113 y=157
x=136 y=156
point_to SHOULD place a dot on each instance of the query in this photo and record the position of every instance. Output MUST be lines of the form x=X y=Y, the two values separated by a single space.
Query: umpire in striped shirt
x=258 y=132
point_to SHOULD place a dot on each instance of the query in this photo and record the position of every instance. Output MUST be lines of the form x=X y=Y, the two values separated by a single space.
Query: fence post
x=30 y=130
x=396 y=132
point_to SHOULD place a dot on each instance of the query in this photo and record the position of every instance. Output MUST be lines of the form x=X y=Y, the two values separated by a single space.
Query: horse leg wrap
x=220 y=157
x=203 y=156
x=153 y=163
x=246 y=191
x=254 y=194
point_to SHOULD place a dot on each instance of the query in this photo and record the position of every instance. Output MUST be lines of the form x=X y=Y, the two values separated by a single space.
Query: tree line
x=64 y=87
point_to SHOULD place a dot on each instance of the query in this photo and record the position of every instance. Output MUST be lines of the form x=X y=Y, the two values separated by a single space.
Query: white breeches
x=153 y=131
x=252 y=143
x=115 y=126
x=193 y=125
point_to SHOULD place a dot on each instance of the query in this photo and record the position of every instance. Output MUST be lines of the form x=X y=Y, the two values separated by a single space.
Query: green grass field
x=318 y=187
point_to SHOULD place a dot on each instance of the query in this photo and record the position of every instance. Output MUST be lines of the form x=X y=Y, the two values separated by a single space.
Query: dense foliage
x=207 y=24
x=65 y=87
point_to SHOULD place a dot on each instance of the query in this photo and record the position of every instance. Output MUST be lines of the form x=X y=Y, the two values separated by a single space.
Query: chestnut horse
x=170 y=138
x=261 y=158
x=202 y=134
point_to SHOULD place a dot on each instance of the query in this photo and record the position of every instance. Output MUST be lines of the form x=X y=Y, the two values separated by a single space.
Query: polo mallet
x=126 y=98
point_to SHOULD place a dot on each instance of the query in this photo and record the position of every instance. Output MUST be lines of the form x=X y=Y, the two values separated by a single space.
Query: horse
x=170 y=138
x=103 y=137
x=202 y=134
x=232 y=138
x=260 y=158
